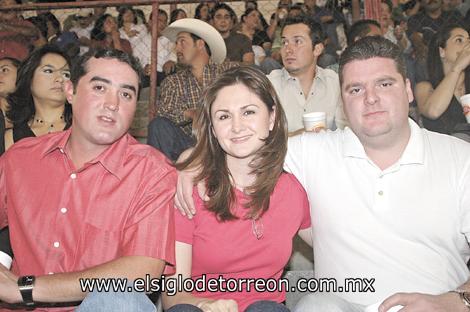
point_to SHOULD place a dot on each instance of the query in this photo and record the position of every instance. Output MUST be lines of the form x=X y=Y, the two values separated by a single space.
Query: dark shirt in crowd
x=237 y=45
x=447 y=122
x=21 y=131
x=260 y=37
x=428 y=26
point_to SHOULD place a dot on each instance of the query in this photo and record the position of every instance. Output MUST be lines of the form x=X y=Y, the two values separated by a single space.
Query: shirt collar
x=112 y=159
x=57 y=142
x=413 y=153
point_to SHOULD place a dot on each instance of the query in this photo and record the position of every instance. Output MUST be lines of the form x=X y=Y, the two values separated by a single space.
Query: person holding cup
x=439 y=99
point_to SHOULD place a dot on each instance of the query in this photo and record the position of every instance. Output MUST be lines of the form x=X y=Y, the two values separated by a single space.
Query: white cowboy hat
x=203 y=30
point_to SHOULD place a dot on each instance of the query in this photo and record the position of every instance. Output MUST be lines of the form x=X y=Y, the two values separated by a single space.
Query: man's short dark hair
x=316 y=32
x=14 y=61
x=196 y=37
x=224 y=6
x=80 y=68
x=360 y=29
x=370 y=47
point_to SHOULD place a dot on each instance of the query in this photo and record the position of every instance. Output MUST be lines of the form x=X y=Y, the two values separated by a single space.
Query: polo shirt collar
x=413 y=153
x=112 y=159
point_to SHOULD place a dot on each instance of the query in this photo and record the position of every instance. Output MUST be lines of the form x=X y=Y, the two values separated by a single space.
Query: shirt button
x=63 y=210
x=61 y=150
x=73 y=176
x=381 y=193
x=50 y=273
x=56 y=244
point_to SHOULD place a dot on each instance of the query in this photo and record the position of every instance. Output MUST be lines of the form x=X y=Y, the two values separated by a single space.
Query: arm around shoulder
x=8 y=139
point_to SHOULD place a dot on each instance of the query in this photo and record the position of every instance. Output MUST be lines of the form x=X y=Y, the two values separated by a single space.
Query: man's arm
x=184 y=201
x=415 y=302
x=65 y=287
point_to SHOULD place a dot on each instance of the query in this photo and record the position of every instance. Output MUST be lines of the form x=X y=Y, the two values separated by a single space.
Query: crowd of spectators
x=251 y=38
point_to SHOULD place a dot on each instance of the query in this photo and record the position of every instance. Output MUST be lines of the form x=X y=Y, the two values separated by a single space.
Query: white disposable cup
x=314 y=121
x=465 y=101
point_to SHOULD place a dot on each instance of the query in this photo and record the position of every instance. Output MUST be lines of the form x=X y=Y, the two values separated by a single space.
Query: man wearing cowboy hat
x=201 y=48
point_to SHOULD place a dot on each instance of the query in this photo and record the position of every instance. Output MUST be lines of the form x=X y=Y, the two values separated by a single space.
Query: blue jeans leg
x=116 y=302
x=184 y=308
x=168 y=138
x=266 y=306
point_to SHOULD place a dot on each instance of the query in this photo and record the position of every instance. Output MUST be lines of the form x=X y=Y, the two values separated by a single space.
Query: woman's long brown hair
x=210 y=158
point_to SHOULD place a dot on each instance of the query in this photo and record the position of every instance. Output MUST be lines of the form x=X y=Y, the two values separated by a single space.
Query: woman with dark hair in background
x=105 y=34
x=9 y=65
x=8 y=74
x=449 y=78
x=38 y=105
x=250 y=26
x=177 y=14
x=202 y=12
x=254 y=208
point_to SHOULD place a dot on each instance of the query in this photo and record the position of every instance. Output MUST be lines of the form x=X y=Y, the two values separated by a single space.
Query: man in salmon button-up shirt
x=89 y=202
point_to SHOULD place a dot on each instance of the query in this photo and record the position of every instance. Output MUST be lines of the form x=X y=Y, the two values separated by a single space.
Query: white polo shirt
x=324 y=96
x=406 y=226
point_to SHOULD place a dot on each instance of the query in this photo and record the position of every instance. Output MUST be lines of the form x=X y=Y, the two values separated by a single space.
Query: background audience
x=449 y=78
x=38 y=105
x=136 y=34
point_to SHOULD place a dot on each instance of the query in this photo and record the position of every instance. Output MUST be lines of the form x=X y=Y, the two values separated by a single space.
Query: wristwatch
x=464 y=296
x=26 y=284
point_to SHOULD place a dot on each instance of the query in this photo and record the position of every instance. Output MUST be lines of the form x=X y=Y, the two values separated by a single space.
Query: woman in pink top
x=242 y=235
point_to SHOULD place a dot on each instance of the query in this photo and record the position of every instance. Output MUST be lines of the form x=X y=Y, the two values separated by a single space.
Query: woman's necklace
x=50 y=125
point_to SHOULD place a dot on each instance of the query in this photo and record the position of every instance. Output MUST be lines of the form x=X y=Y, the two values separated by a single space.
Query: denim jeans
x=168 y=138
x=258 y=306
x=116 y=302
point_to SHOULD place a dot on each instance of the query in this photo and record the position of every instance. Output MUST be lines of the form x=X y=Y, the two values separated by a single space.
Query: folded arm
x=65 y=287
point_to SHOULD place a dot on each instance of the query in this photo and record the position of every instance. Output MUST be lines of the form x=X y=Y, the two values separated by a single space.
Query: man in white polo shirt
x=398 y=212
x=389 y=201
